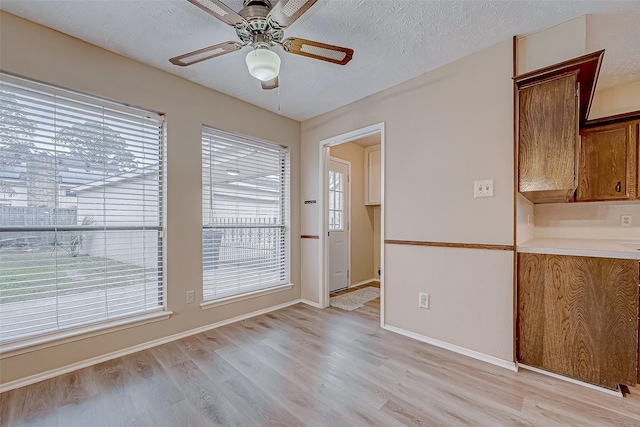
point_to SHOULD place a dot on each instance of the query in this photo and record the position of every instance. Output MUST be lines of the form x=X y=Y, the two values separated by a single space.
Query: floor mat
x=356 y=299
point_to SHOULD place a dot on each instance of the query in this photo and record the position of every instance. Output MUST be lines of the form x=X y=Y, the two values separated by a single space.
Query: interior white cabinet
x=372 y=175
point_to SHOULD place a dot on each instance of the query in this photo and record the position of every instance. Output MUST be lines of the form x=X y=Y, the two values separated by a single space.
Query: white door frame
x=347 y=219
x=324 y=201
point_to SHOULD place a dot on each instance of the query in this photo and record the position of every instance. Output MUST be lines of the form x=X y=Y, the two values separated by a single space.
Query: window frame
x=35 y=341
x=285 y=197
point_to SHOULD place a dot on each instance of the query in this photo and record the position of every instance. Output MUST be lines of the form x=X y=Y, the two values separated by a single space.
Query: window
x=336 y=201
x=81 y=225
x=245 y=195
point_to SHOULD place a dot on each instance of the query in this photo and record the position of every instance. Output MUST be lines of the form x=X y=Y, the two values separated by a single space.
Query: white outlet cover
x=423 y=300
x=483 y=188
x=625 y=220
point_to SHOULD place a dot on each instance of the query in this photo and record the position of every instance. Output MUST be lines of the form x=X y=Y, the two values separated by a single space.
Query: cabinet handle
x=619 y=187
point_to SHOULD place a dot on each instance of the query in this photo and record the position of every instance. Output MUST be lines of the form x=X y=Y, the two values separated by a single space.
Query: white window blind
x=81 y=202
x=245 y=194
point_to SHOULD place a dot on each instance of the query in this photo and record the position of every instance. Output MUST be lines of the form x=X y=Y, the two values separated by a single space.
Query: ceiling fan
x=260 y=24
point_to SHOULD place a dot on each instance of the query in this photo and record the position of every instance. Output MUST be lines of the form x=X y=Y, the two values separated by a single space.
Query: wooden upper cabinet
x=552 y=104
x=608 y=162
x=547 y=138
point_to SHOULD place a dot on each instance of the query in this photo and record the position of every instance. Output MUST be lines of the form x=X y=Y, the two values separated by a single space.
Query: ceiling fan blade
x=219 y=10
x=271 y=84
x=316 y=50
x=285 y=12
x=206 y=53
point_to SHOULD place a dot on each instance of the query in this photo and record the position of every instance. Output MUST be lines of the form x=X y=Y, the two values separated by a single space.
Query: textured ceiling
x=394 y=40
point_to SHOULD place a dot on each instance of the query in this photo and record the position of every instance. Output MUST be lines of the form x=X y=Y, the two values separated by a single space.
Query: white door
x=338 y=224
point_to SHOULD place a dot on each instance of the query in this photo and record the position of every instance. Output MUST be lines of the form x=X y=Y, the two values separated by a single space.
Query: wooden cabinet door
x=577 y=317
x=607 y=163
x=548 y=139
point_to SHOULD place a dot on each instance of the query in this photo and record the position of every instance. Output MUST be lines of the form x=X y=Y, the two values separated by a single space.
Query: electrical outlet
x=191 y=297
x=424 y=300
x=625 y=220
x=483 y=188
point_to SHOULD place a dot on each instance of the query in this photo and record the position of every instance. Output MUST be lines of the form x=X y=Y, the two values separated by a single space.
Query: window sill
x=78 y=333
x=236 y=298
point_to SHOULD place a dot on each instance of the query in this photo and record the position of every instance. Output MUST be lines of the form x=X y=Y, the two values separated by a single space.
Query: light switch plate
x=191 y=297
x=483 y=188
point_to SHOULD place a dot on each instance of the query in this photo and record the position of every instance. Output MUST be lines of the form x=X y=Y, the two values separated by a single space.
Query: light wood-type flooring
x=305 y=366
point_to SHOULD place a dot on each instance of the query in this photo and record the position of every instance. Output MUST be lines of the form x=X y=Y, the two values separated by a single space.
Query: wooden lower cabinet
x=577 y=317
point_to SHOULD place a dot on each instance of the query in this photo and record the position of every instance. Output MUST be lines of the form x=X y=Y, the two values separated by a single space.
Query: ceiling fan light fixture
x=263 y=64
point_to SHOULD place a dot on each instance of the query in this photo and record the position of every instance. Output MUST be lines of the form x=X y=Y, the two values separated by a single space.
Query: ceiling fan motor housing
x=258 y=28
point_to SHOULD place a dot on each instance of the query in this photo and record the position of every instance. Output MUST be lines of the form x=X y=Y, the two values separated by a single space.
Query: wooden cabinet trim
x=588 y=67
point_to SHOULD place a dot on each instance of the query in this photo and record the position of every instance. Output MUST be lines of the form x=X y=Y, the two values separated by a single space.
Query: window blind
x=245 y=194
x=81 y=210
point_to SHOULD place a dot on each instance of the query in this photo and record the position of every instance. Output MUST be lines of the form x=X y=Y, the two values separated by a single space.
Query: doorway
x=339 y=223
x=351 y=213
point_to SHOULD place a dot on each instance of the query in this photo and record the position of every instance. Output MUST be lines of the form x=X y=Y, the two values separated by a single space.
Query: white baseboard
x=362 y=282
x=456 y=349
x=311 y=303
x=571 y=380
x=32 y=379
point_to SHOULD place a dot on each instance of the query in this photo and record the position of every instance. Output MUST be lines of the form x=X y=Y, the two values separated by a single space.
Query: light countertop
x=622 y=249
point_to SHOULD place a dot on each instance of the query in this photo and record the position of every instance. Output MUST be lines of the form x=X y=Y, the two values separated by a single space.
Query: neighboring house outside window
x=245 y=228
x=81 y=202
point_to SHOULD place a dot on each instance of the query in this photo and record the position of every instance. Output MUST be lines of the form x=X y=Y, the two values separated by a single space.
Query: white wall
x=525 y=219
x=444 y=130
x=36 y=52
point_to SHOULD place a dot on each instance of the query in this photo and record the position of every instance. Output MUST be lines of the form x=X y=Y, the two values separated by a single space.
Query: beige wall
x=33 y=51
x=362 y=218
x=444 y=130
x=616 y=100
x=556 y=44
